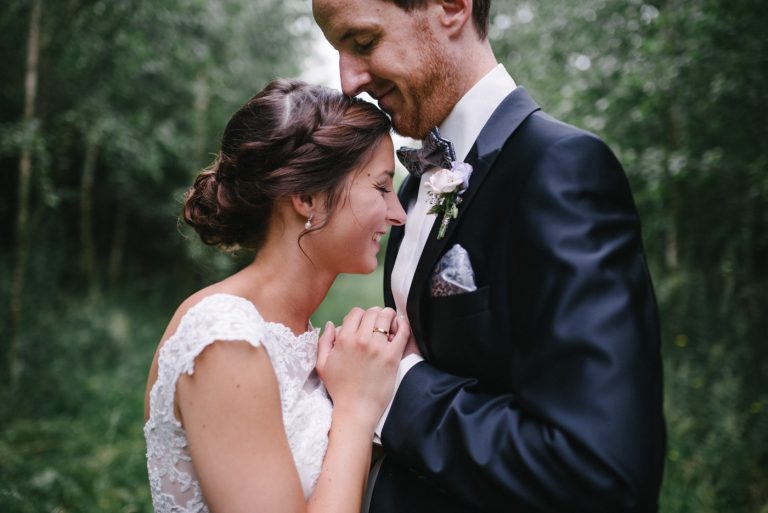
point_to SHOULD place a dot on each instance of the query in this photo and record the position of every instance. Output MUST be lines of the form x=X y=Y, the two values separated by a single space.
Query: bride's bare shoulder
x=230 y=351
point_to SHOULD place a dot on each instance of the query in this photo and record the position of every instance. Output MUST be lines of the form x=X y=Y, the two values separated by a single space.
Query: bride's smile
x=350 y=240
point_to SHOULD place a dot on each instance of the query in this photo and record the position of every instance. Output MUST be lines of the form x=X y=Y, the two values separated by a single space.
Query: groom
x=540 y=389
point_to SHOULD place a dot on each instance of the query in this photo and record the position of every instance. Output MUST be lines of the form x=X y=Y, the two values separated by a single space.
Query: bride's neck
x=285 y=286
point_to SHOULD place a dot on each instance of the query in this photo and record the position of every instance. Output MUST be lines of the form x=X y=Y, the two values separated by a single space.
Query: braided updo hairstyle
x=292 y=138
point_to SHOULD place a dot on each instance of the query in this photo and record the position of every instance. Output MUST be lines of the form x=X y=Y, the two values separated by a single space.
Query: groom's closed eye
x=364 y=46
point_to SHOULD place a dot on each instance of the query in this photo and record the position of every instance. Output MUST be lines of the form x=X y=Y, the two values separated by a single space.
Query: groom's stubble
x=433 y=92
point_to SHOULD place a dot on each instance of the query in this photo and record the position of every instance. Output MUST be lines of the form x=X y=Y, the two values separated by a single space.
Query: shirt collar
x=472 y=112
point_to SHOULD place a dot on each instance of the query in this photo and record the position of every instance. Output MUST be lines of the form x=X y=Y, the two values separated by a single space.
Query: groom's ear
x=455 y=14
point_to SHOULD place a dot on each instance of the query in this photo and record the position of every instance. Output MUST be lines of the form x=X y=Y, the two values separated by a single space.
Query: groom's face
x=393 y=55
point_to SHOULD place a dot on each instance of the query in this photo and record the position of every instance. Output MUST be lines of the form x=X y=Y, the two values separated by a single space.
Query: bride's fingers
x=351 y=322
x=385 y=320
x=368 y=323
x=325 y=344
x=397 y=344
x=395 y=325
x=387 y=316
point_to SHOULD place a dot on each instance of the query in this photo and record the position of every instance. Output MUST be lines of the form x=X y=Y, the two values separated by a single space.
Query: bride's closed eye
x=383 y=188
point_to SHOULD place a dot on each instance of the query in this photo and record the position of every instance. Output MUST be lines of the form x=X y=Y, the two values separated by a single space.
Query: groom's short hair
x=480 y=12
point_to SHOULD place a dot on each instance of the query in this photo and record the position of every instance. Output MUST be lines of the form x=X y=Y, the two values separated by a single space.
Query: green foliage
x=676 y=88
x=716 y=431
x=350 y=290
x=148 y=88
x=73 y=440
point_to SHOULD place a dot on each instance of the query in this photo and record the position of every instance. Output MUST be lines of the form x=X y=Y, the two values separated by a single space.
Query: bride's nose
x=396 y=216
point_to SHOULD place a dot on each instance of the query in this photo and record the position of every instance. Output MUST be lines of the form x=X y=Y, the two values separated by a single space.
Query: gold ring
x=382 y=331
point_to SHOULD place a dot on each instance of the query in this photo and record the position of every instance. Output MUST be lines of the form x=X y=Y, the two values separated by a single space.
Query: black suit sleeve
x=581 y=427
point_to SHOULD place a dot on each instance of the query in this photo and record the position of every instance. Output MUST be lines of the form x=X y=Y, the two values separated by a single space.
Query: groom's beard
x=431 y=94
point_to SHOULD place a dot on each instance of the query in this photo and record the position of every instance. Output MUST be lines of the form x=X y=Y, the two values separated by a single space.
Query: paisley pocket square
x=453 y=274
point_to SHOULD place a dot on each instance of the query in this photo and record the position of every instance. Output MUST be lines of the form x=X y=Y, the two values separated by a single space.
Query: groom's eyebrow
x=352 y=32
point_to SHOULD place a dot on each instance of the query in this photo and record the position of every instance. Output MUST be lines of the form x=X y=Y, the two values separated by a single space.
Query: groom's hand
x=411 y=347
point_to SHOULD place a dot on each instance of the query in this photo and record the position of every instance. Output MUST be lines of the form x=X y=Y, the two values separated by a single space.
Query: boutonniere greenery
x=445 y=189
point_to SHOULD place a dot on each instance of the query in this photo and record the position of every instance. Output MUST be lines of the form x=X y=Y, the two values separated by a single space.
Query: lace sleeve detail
x=220 y=317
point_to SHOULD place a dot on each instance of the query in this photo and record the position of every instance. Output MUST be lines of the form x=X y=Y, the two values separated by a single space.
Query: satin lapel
x=407 y=189
x=507 y=117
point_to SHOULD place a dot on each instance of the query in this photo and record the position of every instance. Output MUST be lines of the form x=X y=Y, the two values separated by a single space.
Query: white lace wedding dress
x=305 y=405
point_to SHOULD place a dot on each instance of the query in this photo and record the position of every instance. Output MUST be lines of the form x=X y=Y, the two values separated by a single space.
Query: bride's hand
x=358 y=361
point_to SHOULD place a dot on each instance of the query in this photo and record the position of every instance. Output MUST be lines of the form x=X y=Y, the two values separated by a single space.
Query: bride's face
x=350 y=241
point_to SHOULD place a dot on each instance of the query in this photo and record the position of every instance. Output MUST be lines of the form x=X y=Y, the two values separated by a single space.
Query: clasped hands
x=358 y=360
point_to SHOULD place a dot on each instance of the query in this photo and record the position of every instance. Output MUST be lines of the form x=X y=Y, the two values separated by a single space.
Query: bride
x=236 y=418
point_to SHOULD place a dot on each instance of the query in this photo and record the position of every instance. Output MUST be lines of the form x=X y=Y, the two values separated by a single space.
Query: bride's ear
x=305 y=205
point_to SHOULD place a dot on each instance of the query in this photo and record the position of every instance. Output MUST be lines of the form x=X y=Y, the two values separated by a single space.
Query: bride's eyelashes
x=383 y=188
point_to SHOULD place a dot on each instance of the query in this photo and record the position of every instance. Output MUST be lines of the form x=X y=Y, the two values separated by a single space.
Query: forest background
x=109 y=107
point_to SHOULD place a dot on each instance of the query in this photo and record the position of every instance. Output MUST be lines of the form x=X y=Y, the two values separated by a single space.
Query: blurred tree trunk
x=86 y=215
x=117 y=252
x=673 y=115
x=202 y=100
x=25 y=175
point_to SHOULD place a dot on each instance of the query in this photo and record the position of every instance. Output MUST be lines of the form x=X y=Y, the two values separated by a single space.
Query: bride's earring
x=308 y=224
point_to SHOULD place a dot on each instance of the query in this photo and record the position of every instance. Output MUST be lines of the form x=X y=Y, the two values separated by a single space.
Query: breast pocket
x=460 y=332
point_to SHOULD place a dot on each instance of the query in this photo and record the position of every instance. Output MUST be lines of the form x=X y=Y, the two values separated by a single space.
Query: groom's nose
x=354 y=74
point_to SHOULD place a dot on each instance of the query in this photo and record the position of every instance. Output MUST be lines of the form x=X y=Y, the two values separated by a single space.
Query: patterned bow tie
x=434 y=152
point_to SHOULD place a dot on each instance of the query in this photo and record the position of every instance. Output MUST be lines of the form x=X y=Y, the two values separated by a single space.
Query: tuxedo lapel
x=507 y=117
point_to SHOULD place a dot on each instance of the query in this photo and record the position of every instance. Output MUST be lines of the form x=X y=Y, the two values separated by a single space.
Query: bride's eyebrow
x=384 y=172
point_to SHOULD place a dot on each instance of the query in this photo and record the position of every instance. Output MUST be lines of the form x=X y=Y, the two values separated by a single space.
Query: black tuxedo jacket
x=542 y=390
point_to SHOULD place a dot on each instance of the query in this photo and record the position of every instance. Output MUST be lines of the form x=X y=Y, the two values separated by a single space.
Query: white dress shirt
x=461 y=127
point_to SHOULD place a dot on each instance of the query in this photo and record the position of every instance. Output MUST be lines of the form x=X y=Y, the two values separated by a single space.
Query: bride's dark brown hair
x=292 y=138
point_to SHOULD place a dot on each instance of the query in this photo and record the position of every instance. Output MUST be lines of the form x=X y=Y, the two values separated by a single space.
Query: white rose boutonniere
x=445 y=189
